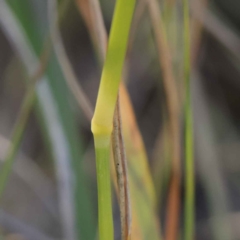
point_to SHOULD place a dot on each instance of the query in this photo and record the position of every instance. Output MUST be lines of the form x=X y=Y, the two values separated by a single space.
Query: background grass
x=51 y=188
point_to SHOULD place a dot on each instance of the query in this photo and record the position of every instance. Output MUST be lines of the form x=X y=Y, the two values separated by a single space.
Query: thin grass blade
x=189 y=204
x=172 y=101
x=60 y=125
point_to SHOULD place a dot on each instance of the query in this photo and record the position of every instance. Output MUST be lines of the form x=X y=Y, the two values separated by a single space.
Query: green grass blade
x=173 y=110
x=189 y=204
x=59 y=121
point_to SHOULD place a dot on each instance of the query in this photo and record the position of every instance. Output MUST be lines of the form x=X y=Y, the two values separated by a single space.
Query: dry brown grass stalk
x=172 y=102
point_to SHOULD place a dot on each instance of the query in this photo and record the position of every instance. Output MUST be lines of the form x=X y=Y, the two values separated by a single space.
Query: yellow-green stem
x=104 y=191
x=112 y=70
x=189 y=158
x=103 y=116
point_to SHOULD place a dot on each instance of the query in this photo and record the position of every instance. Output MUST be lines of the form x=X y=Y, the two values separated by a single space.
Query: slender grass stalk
x=104 y=192
x=144 y=217
x=84 y=104
x=103 y=115
x=172 y=101
x=189 y=218
x=104 y=111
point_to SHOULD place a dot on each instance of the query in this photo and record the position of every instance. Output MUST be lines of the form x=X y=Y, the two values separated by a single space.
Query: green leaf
x=59 y=121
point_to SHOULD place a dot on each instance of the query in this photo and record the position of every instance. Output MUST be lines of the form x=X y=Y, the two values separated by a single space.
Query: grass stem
x=104 y=192
x=103 y=116
x=172 y=101
x=189 y=221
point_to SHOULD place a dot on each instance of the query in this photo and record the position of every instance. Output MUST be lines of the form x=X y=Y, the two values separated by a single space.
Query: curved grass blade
x=61 y=130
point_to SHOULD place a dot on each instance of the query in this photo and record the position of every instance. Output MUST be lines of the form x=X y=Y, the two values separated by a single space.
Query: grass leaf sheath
x=103 y=116
x=111 y=74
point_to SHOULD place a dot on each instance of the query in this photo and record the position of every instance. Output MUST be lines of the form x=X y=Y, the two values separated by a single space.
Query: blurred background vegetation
x=51 y=192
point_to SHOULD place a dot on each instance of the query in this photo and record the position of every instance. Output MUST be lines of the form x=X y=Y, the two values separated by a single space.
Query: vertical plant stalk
x=122 y=176
x=189 y=217
x=173 y=114
x=105 y=223
x=140 y=227
x=22 y=120
x=84 y=103
x=104 y=111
